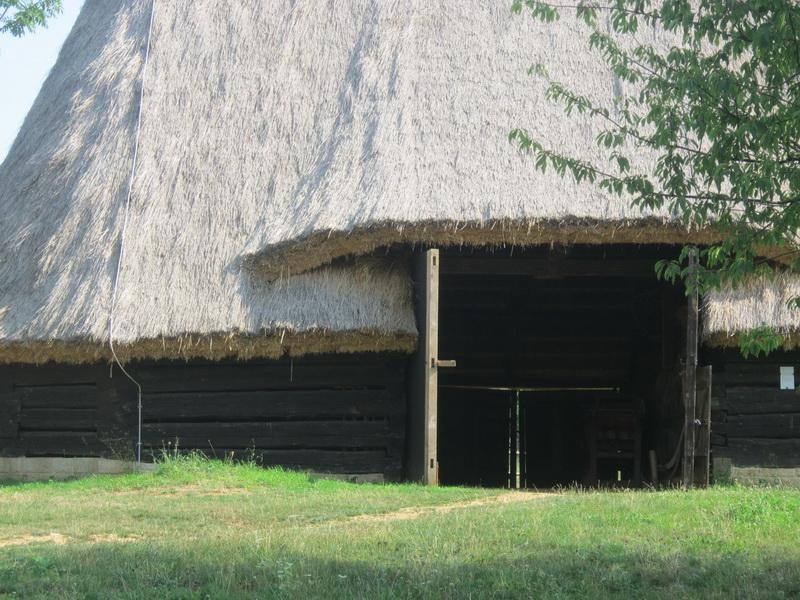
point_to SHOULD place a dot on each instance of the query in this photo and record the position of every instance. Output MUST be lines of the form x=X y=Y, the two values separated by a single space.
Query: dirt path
x=415 y=512
x=26 y=540
x=404 y=514
x=60 y=540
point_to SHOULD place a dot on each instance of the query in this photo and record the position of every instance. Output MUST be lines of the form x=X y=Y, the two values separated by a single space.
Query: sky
x=24 y=64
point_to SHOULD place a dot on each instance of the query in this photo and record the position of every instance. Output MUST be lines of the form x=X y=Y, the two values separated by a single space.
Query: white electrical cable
x=122 y=239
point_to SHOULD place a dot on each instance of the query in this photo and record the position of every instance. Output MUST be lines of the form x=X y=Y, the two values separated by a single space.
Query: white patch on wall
x=787 y=378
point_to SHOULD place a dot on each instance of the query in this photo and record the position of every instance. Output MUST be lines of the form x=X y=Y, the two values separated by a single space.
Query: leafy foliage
x=720 y=110
x=19 y=17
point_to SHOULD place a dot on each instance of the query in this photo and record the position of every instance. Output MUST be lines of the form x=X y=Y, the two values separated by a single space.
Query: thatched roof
x=412 y=143
x=757 y=303
x=276 y=137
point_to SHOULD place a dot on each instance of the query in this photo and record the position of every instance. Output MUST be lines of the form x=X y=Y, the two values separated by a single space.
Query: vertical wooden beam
x=556 y=411
x=690 y=375
x=514 y=437
x=523 y=430
x=423 y=464
x=669 y=343
x=702 y=467
x=653 y=460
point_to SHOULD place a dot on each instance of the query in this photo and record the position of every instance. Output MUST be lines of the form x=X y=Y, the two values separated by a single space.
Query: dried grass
x=283 y=138
x=756 y=303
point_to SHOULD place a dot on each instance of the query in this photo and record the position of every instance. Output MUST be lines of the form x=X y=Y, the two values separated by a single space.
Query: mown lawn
x=198 y=529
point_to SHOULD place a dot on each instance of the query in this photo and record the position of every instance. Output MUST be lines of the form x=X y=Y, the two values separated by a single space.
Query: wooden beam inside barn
x=549 y=267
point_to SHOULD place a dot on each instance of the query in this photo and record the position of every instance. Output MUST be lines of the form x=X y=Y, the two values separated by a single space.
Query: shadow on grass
x=140 y=570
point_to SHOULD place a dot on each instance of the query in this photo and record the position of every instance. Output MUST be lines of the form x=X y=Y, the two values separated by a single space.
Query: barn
x=297 y=233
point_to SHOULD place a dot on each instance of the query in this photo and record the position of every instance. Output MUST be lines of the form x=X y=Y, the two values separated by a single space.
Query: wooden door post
x=423 y=463
x=702 y=451
x=690 y=375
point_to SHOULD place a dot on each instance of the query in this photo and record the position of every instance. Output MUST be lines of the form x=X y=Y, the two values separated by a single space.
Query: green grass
x=197 y=529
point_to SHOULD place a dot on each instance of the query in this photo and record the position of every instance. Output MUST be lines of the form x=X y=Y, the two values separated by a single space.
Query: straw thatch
x=281 y=135
x=181 y=289
x=756 y=303
x=412 y=146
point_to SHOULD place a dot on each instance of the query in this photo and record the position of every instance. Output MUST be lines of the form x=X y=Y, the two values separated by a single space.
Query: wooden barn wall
x=64 y=410
x=338 y=414
x=753 y=422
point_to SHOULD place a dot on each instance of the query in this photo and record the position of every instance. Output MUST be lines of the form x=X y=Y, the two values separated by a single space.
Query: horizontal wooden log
x=535 y=325
x=291 y=434
x=753 y=452
x=718 y=416
x=760 y=375
x=534 y=314
x=547 y=268
x=341 y=359
x=9 y=414
x=718 y=439
x=781 y=425
x=9 y=448
x=58 y=419
x=562 y=343
x=718 y=396
x=55 y=374
x=57 y=396
x=750 y=367
x=185 y=378
x=485 y=290
x=537 y=362
x=489 y=308
x=748 y=400
x=733 y=356
x=258 y=404
x=62 y=443
x=536 y=378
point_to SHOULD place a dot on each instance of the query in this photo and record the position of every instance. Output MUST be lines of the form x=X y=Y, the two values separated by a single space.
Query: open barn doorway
x=567 y=366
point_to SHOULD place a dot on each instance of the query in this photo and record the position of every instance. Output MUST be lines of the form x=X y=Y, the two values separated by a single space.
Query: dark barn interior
x=566 y=363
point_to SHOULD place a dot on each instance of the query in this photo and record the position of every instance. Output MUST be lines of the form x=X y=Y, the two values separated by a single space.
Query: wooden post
x=523 y=432
x=703 y=415
x=423 y=465
x=514 y=449
x=690 y=374
x=669 y=343
x=653 y=460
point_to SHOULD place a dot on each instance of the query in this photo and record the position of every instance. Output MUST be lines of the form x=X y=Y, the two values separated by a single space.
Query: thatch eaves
x=196 y=198
x=760 y=302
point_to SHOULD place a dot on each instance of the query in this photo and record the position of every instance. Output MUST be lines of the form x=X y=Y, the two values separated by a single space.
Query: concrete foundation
x=724 y=470
x=59 y=468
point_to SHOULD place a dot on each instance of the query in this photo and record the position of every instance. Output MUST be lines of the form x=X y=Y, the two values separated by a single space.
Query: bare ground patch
x=202 y=491
x=186 y=490
x=415 y=512
x=59 y=539
x=27 y=540
x=113 y=538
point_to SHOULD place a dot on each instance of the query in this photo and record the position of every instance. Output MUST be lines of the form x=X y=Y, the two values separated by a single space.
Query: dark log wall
x=330 y=414
x=64 y=410
x=340 y=414
x=753 y=421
